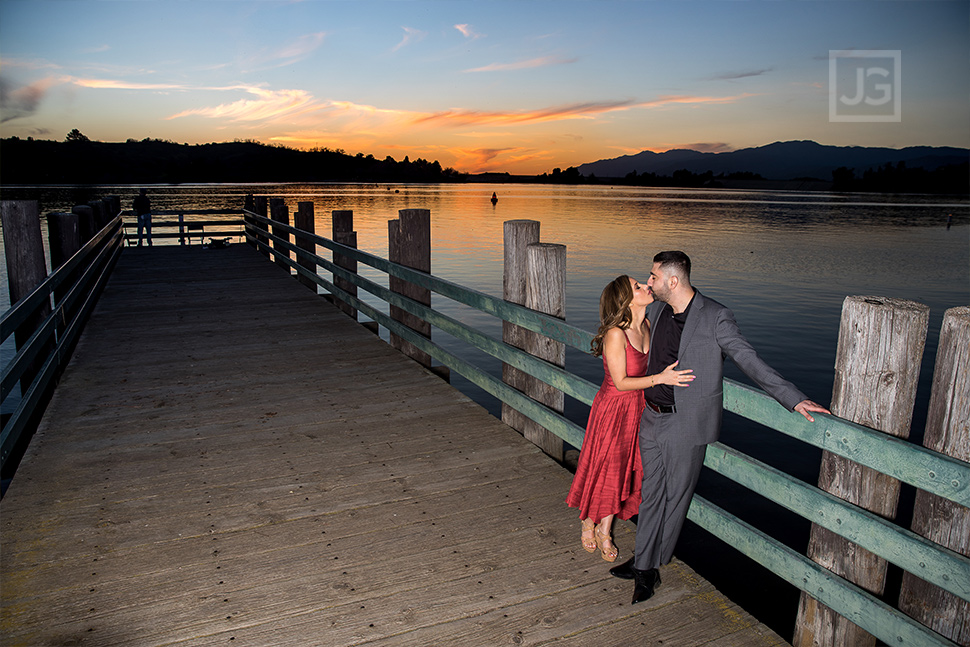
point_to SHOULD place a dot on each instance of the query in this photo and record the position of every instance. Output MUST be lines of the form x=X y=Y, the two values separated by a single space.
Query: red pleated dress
x=609 y=473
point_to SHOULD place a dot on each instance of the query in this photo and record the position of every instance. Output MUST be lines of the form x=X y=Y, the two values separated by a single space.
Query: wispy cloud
x=268 y=104
x=462 y=117
x=686 y=98
x=732 y=76
x=476 y=117
x=543 y=61
x=288 y=54
x=467 y=31
x=96 y=50
x=411 y=35
x=111 y=84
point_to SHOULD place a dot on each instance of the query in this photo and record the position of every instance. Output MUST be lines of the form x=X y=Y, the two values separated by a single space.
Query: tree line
x=898 y=178
x=79 y=160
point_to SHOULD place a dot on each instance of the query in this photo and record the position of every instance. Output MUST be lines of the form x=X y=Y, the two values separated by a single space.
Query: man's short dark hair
x=677 y=261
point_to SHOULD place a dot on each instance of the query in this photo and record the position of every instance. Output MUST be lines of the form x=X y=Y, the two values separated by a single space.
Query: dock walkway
x=230 y=460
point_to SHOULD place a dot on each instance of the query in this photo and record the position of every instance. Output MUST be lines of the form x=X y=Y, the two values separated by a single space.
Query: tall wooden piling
x=880 y=346
x=278 y=213
x=938 y=519
x=409 y=244
x=250 y=205
x=86 y=223
x=518 y=235
x=63 y=240
x=545 y=292
x=303 y=220
x=261 y=202
x=23 y=247
x=342 y=221
x=97 y=208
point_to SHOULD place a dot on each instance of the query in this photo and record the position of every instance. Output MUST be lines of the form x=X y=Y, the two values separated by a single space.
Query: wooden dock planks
x=231 y=460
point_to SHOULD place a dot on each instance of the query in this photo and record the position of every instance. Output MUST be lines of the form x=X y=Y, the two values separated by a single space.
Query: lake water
x=783 y=261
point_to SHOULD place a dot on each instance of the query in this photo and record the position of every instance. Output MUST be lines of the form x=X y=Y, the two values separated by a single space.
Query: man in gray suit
x=676 y=428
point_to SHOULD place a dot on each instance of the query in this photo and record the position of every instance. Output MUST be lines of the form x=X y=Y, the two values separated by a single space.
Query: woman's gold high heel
x=588 y=540
x=605 y=543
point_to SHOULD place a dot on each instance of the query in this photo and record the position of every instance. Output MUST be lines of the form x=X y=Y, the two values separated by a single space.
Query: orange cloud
x=474 y=117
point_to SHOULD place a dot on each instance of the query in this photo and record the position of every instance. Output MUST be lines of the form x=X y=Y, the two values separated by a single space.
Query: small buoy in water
x=494 y=197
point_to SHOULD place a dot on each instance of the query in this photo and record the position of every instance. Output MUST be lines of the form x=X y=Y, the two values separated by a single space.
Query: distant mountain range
x=778 y=161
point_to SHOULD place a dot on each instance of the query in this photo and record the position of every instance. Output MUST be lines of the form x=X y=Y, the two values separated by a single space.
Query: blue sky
x=521 y=86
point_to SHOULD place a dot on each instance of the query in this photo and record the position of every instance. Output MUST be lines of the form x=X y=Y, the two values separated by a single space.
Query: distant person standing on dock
x=142 y=207
x=677 y=426
x=608 y=476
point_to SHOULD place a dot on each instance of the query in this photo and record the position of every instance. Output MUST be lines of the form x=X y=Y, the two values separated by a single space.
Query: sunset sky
x=520 y=86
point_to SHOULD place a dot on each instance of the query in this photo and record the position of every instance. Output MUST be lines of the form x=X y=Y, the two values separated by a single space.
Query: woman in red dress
x=608 y=476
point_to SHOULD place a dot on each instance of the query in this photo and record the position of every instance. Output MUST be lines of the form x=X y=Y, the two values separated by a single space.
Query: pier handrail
x=923 y=468
x=182 y=225
x=86 y=273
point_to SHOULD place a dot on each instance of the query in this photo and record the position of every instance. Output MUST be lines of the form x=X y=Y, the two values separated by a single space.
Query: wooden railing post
x=303 y=220
x=278 y=213
x=518 y=234
x=343 y=233
x=880 y=346
x=545 y=292
x=409 y=244
x=64 y=239
x=181 y=229
x=23 y=248
x=938 y=519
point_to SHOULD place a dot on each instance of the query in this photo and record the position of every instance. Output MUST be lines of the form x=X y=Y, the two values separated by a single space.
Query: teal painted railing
x=77 y=283
x=920 y=467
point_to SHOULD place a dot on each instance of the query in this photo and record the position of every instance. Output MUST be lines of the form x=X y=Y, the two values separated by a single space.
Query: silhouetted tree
x=76 y=136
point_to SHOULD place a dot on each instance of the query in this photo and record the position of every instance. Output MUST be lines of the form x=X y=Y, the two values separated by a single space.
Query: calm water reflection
x=783 y=261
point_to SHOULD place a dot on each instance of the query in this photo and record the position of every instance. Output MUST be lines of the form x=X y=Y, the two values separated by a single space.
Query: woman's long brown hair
x=614 y=310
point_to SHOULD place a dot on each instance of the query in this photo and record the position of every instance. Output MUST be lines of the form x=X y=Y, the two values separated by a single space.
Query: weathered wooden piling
x=278 y=213
x=250 y=205
x=409 y=244
x=303 y=220
x=938 y=519
x=63 y=240
x=261 y=202
x=545 y=292
x=342 y=222
x=86 y=223
x=26 y=266
x=518 y=235
x=881 y=343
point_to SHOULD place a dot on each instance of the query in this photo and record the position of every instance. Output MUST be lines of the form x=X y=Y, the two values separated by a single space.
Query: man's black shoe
x=624 y=571
x=644 y=583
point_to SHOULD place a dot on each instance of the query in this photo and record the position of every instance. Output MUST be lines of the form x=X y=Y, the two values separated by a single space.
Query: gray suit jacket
x=711 y=334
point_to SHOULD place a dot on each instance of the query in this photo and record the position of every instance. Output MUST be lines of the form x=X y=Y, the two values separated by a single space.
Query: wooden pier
x=231 y=460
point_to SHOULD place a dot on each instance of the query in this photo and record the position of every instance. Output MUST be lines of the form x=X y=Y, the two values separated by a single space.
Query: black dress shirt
x=663 y=351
